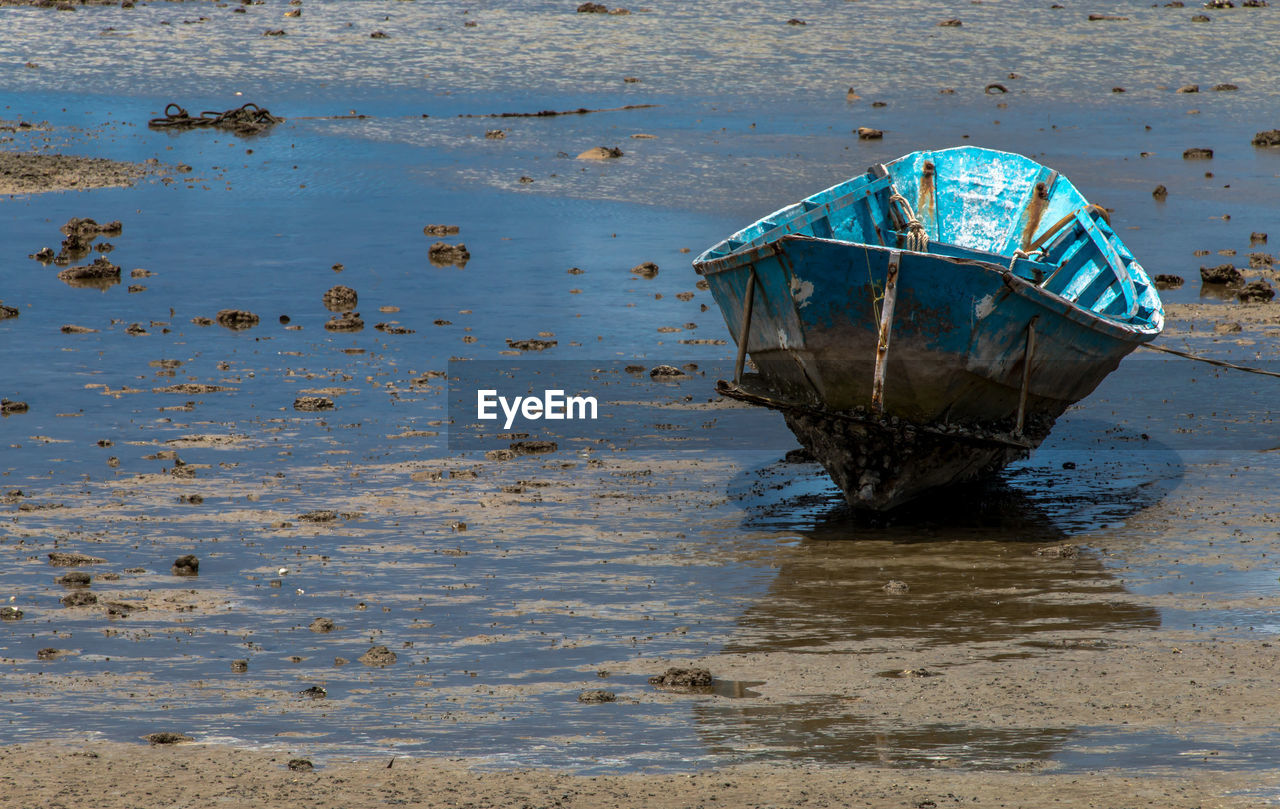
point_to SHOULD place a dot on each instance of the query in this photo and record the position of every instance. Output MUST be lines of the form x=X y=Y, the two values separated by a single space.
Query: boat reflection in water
x=1001 y=581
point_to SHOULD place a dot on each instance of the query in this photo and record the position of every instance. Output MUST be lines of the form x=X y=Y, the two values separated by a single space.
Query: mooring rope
x=1210 y=361
x=917 y=236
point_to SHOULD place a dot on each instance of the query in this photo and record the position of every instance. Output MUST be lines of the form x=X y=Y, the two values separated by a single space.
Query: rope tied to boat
x=917 y=237
x=1210 y=360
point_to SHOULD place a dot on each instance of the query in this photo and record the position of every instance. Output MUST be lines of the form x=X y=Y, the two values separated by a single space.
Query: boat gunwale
x=1122 y=329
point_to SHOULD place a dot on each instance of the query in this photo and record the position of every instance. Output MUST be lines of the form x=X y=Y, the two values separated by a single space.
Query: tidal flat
x=262 y=383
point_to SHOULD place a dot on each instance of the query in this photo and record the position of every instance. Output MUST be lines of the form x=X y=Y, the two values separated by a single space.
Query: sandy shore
x=116 y=776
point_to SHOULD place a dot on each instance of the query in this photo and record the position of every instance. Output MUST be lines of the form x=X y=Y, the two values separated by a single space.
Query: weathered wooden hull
x=857 y=341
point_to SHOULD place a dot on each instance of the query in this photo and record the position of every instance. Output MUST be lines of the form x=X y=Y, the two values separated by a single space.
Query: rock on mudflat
x=236 y=319
x=240 y=666
x=1167 y=281
x=312 y=403
x=1197 y=154
x=896 y=586
x=79 y=598
x=678 y=679
x=76 y=578
x=8 y=613
x=7 y=312
x=301 y=765
x=378 y=656
x=601 y=153
x=1222 y=274
x=345 y=322
x=101 y=270
x=167 y=737
x=531 y=345
x=646 y=270
x=187 y=565
x=597 y=695
x=443 y=254
x=70 y=559
x=440 y=230
x=1271 y=137
x=340 y=299
x=1256 y=292
x=321 y=625
x=9 y=406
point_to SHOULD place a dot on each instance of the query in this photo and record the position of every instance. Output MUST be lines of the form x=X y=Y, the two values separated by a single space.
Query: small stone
x=1258 y=291
x=443 y=254
x=1222 y=274
x=76 y=578
x=79 y=598
x=1189 y=88
x=345 y=322
x=312 y=403
x=1063 y=551
x=166 y=737
x=645 y=270
x=8 y=613
x=679 y=679
x=321 y=625
x=301 y=765
x=1167 y=281
x=187 y=565
x=236 y=319
x=1197 y=153
x=867 y=133
x=531 y=344
x=240 y=666
x=668 y=371
x=896 y=587
x=440 y=230
x=314 y=692
x=1160 y=192
x=9 y=406
x=69 y=559
x=1271 y=137
x=378 y=656
x=340 y=299
x=596 y=696
x=601 y=153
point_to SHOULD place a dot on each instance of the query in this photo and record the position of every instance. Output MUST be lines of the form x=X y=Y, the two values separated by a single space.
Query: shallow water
x=575 y=569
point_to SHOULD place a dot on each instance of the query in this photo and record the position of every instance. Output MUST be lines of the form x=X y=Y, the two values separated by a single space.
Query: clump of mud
x=236 y=319
x=98 y=274
x=345 y=322
x=187 y=565
x=340 y=299
x=443 y=254
x=312 y=403
x=679 y=679
x=378 y=656
x=530 y=345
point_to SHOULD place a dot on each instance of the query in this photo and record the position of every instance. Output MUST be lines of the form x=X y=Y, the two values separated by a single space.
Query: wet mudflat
x=263 y=387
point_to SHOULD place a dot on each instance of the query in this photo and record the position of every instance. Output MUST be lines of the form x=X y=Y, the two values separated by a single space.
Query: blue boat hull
x=905 y=363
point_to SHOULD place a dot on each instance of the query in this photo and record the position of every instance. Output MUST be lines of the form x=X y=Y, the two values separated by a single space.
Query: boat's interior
x=977 y=205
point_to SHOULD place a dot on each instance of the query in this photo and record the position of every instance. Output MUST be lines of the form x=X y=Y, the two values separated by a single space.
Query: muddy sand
x=36 y=173
x=113 y=776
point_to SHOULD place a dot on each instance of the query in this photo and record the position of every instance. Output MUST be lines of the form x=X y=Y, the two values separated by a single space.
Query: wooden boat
x=926 y=323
